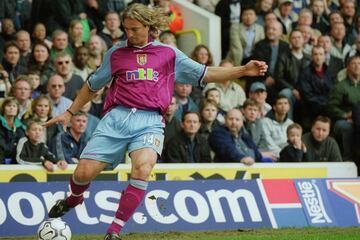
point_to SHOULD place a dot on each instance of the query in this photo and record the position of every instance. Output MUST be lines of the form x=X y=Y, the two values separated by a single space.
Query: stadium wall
x=207 y=23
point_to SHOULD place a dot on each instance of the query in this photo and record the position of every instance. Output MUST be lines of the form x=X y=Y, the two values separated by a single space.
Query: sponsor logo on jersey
x=140 y=74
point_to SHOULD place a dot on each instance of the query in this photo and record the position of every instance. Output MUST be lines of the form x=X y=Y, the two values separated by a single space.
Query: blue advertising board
x=168 y=206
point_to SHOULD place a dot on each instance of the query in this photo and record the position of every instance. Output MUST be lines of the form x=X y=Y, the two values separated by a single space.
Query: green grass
x=258 y=234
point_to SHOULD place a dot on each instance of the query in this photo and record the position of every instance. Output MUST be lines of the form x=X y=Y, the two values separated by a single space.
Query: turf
x=258 y=234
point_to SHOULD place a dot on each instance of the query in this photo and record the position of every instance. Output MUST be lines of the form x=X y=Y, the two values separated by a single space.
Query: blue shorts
x=124 y=129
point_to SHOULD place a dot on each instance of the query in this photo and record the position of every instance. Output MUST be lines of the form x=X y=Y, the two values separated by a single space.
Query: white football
x=54 y=229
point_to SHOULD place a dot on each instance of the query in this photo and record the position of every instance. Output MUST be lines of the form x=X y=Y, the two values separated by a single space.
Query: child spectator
x=208 y=112
x=32 y=151
x=213 y=94
x=34 y=80
x=296 y=150
x=168 y=38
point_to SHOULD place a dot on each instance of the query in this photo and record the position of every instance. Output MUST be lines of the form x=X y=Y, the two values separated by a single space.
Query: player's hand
x=63 y=119
x=255 y=68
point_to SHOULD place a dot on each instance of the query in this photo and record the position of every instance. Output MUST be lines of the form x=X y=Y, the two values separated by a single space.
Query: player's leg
x=143 y=161
x=85 y=172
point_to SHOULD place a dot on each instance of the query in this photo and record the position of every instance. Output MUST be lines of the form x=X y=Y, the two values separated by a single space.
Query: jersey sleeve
x=188 y=71
x=102 y=75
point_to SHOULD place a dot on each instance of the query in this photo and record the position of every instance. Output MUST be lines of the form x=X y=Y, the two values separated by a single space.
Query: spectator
x=340 y=47
x=320 y=18
x=208 y=114
x=41 y=111
x=81 y=57
x=40 y=61
x=73 y=82
x=23 y=41
x=309 y=39
x=348 y=11
x=111 y=32
x=75 y=33
x=11 y=130
x=34 y=80
x=97 y=48
x=296 y=150
x=5 y=85
x=185 y=102
x=172 y=124
x=95 y=11
x=232 y=94
x=11 y=60
x=213 y=94
x=230 y=142
x=31 y=150
x=39 y=35
x=285 y=15
x=262 y=8
x=60 y=41
x=333 y=63
x=320 y=146
x=269 y=50
x=254 y=126
x=343 y=97
x=56 y=89
x=288 y=68
x=70 y=144
x=22 y=92
x=189 y=146
x=168 y=38
x=305 y=19
x=315 y=83
x=258 y=92
x=275 y=125
x=244 y=36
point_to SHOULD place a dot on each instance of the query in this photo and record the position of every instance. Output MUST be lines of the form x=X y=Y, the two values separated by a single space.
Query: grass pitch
x=256 y=234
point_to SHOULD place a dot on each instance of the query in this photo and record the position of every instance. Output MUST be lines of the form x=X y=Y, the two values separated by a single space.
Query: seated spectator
x=230 y=142
x=320 y=146
x=5 y=85
x=185 y=102
x=22 y=92
x=41 y=111
x=213 y=94
x=40 y=61
x=232 y=94
x=31 y=150
x=34 y=80
x=258 y=92
x=315 y=83
x=75 y=34
x=11 y=130
x=275 y=124
x=208 y=113
x=60 y=41
x=64 y=67
x=11 y=61
x=320 y=18
x=39 y=35
x=172 y=124
x=244 y=36
x=56 y=89
x=263 y=7
x=343 y=97
x=254 y=127
x=111 y=32
x=295 y=150
x=189 y=146
x=340 y=47
x=168 y=38
x=285 y=14
x=24 y=43
x=97 y=48
x=81 y=57
x=70 y=144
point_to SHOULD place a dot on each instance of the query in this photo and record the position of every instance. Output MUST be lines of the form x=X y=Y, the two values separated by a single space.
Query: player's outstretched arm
x=251 y=69
x=84 y=96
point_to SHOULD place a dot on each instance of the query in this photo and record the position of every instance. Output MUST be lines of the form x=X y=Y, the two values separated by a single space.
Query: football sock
x=77 y=190
x=129 y=201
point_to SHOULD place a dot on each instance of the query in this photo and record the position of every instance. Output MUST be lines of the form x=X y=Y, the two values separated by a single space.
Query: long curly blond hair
x=155 y=18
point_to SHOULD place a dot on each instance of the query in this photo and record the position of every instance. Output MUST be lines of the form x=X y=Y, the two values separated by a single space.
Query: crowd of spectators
x=48 y=48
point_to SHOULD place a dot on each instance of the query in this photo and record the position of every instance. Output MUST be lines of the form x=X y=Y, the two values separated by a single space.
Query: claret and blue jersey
x=144 y=77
